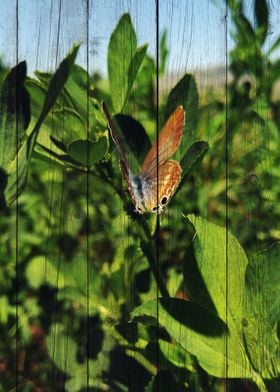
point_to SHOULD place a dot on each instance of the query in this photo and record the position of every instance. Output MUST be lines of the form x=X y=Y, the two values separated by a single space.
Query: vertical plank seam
x=226 y=172
x=60 y=220
x=87 y=192
x=17 y=356
x=157 y=182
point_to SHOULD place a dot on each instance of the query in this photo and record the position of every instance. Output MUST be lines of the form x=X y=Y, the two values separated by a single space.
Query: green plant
x=96 y=297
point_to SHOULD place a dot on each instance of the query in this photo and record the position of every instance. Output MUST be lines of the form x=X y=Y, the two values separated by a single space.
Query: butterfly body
x=159 y=176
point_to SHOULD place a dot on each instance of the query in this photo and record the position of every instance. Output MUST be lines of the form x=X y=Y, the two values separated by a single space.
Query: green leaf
x=4 y=305
x=77 y=87
x=218 y=256
x=19 y=167
x=15 y=114
x=199 y=332
x=41 y=270
x=175 y=354
x=88 y=152
x=163 y=52
x=186 y=313
x=57 y=82
x=134 y=67
x=262 y=311
x=134 y=135
x=215 y=279
x=122 y=48
x=185 y=93
x=261 y=14
x=193 y=157
x=62 y=350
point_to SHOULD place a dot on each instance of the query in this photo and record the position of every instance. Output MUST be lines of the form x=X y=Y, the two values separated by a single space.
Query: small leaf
x=163 y=52
x=134 y=66
x=134 y=135
x=261 y=14
x=122 y=48
x=185 y=93
x=193 y=157
x=88 y=152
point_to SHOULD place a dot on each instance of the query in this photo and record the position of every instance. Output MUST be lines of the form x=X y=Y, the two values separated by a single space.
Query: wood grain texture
x=96 y=261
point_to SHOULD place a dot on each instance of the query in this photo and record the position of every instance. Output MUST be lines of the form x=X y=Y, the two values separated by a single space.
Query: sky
x=196 y=30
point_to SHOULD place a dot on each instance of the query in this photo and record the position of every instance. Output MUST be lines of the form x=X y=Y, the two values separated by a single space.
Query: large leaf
x=19 y=167
x=215 y=279
x=218 y=269
x=198 y=331
x=262 y=311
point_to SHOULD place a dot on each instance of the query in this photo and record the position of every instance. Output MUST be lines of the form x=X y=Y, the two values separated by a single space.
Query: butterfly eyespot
x=155 y=209
x=138 y=210
x=164 y=200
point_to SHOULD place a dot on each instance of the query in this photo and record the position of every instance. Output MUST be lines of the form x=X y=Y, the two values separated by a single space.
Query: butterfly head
x=144 y=194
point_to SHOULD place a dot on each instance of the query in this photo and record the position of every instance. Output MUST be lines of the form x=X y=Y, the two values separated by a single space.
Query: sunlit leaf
x=62 y=350
x=262 y=311
x=122 y=48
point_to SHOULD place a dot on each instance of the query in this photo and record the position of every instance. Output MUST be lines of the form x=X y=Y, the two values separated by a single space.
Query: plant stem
x=148 y=247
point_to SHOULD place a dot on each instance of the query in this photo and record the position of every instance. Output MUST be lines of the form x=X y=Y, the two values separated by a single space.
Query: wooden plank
x=79 y=264
x=47 y=31
x=8 y=50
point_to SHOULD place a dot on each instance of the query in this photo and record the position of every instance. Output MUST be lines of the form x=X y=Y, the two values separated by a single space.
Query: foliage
x=95 y=297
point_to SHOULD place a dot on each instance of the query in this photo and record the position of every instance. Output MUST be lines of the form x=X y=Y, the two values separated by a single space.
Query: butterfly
x=152 y=189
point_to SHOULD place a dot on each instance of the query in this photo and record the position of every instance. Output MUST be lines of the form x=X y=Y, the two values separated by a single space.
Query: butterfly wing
x=114 y=134
x=118 y=143
x=159 y=185
x=168 y=141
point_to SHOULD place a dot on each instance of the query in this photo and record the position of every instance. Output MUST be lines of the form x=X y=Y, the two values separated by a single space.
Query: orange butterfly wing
x=160 y=192
x=168 y=141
